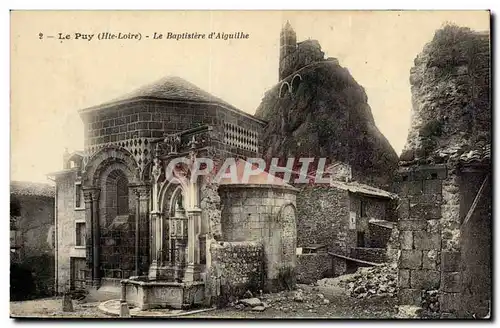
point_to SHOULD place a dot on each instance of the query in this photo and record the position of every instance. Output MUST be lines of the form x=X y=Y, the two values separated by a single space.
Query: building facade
x=31 y=239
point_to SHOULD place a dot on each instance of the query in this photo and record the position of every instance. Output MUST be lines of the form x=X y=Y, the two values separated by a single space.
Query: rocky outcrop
x=325 y=113
x=450 y=85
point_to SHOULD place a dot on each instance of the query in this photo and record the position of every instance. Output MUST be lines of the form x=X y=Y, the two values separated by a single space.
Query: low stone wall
x=376 y=255
x=313 y=267
x=236 y=267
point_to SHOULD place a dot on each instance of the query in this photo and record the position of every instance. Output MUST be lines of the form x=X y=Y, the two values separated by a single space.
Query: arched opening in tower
x=297 y=79
x=284 y=89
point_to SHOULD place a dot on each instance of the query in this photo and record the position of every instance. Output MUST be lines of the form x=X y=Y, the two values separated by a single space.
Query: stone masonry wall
x=323 y=218
x=420 y=262
x=313 y=267
x=236 y=267
x=152 y=119
x=145 y=119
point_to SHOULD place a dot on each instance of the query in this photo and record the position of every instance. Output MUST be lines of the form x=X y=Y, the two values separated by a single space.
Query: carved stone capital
x=87 y=196
x=142 y=191
x=91 y=194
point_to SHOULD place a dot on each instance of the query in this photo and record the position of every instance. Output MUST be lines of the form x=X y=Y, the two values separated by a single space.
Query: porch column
x=191 y=273
x=193 y=214
x=97 y=237
x=141 y=228
x=91 y=197
x=89 y=237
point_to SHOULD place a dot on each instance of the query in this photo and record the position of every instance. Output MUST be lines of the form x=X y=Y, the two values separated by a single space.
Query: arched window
x=122 y=196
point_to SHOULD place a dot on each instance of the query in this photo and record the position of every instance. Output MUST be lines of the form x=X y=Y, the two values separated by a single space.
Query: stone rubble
x=285 y=301
x=430 y=301
x=373 y=282
x=408 y=312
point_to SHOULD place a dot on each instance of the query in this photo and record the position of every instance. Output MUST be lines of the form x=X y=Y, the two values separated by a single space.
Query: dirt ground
x=340 y=306
x=52 y=308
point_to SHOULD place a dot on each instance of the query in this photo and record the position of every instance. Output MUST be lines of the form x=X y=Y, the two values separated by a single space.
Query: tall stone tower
x=288 y=45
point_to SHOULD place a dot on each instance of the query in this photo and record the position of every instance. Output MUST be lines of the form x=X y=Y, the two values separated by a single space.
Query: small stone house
x=31 y=239
x=353 y=220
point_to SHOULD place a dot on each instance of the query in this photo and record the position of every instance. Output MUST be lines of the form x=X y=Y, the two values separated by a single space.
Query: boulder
x=252 y=302
x=259 y=308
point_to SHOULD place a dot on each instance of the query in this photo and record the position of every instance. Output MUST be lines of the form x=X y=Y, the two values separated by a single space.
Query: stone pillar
x=92 y=243
x=156 y=243
x=141 y=224
x=97 y=238
x=89 y=236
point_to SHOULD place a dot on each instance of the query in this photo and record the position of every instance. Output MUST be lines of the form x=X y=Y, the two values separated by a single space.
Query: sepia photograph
x=285 y=164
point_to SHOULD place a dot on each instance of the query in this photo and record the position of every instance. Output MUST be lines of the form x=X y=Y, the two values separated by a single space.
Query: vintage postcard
x=251 y=164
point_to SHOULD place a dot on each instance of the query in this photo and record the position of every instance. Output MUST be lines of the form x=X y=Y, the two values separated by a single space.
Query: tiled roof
x=169 y=88
x=482 y=155
x=23 y=188
x=360 y=188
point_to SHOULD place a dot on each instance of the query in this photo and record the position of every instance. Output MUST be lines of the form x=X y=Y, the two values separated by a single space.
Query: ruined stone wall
x=420 y=234
x=236 y=268
x=323 y=218
x=313 y=267
x=67 y=217
x=443 y=266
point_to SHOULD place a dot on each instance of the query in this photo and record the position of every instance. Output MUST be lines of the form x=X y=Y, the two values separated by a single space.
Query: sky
x=52 y=79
